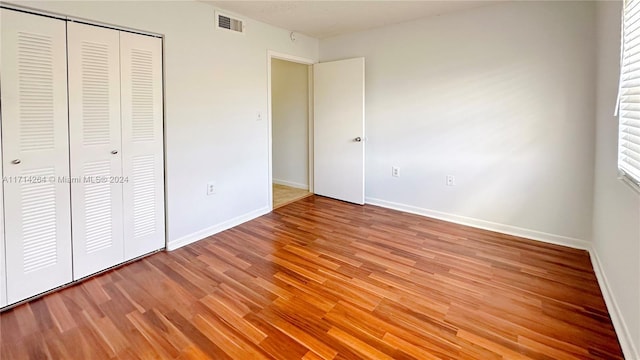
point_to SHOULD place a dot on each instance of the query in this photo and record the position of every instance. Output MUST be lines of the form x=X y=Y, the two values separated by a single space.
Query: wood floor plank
x=324 y=279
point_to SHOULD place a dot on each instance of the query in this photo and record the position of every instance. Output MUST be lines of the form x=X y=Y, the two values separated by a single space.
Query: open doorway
x=290 y=131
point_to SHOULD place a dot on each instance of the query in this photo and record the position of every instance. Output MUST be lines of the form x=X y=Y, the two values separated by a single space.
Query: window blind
x=629 y=99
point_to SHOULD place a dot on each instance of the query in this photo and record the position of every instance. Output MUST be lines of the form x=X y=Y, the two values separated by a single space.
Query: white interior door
x=339 y=129
x=96 y=160
x=35 y=154
x=142 y=143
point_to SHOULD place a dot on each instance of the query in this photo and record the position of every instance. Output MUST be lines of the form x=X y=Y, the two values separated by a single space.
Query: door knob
x=114 y=152
x=16 y=161
x=358 y=139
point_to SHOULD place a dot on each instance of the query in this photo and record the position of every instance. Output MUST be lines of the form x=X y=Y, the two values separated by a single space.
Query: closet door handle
x=16 y=161
x=114 y=152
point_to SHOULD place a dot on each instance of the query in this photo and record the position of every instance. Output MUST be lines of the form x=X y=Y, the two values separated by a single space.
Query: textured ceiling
x=322 y=19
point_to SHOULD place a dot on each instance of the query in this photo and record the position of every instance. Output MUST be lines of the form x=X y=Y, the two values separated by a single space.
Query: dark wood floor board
x=324 y=279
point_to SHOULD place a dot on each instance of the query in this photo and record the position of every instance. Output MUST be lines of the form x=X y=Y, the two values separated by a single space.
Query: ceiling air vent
x=226 y=22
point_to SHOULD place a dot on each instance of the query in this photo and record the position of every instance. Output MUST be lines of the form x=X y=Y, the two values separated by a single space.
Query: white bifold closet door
x=35 y=154
x=96 y=160
x=142 y=143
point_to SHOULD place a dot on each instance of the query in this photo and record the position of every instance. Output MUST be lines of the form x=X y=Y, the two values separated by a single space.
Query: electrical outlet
x=211 y=188
x=451 y=180
x=395 y=171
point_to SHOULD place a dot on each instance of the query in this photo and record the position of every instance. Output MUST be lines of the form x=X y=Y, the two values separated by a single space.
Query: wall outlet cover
x=211 y=188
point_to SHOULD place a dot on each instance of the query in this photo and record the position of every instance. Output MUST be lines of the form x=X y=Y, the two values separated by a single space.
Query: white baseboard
x=291 y=184
x=199 y=235
x=624 y=336
x=485 y=225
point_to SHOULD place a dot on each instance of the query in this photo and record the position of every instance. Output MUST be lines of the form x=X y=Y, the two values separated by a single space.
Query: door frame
x=300 y=60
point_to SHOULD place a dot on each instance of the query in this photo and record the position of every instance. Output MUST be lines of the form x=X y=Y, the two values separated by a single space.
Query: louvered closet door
x=95 y=134
x=35 y=153
x=142 y=141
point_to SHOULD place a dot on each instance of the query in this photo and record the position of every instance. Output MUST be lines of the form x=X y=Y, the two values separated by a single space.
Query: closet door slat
x=35 y=154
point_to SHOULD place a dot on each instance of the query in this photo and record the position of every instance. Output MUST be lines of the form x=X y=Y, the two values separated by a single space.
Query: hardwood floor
x=322 y=279
x=283 y=195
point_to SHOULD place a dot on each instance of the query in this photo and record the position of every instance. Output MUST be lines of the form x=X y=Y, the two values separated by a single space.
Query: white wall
x=616 y=221
x=502 y=97
x=215 y=87
x=290 y=123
